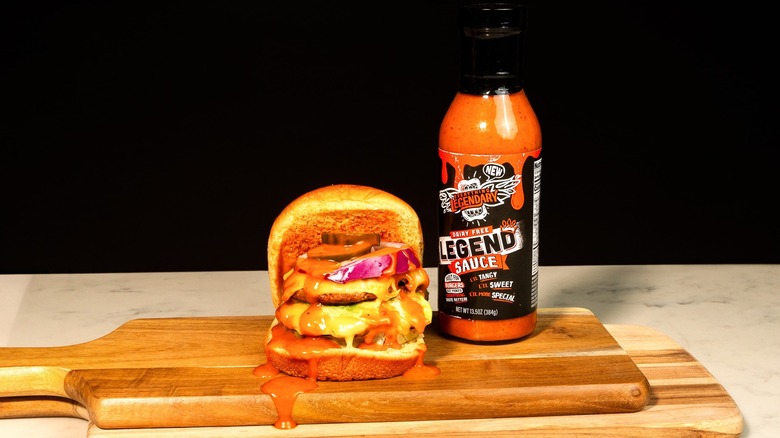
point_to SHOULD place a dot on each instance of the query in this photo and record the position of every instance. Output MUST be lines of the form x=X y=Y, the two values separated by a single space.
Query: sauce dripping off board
x=284 y=390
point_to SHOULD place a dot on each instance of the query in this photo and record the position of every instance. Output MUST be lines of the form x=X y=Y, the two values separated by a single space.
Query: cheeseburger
x=348 y=286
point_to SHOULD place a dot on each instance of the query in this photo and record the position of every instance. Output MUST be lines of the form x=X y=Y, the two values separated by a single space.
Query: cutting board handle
x=45 y=379
x=32 y=381
x=35 y=407
x=31 y=386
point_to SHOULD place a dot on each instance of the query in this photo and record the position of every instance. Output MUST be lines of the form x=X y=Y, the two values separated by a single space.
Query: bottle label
x=489 y=235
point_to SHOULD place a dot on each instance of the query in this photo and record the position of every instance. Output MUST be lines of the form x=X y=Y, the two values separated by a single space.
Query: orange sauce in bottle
x=490 y=148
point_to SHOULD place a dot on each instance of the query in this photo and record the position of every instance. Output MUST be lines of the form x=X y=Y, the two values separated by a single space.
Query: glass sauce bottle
x=490 y=149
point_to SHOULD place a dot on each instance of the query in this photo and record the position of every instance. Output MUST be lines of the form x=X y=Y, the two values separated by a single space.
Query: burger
x=348 y=286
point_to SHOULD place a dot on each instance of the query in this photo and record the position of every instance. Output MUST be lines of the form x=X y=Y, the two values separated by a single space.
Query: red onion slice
x=374 y=267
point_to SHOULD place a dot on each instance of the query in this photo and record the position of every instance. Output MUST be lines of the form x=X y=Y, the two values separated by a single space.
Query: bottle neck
x=491 y=43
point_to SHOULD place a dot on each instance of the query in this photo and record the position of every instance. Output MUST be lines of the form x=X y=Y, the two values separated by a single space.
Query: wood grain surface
x=184 y=376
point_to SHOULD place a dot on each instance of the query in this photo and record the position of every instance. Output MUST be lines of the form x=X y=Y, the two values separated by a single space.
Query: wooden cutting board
x=191 y=374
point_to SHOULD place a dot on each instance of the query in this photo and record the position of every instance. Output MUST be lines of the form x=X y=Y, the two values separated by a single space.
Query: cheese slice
x=404 y=317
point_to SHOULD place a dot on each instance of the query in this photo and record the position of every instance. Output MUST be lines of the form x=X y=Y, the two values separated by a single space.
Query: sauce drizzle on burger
x=376 y=302
x=349 y=289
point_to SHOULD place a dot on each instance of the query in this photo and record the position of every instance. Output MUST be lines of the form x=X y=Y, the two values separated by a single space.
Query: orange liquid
x=284 y=390
x=421 y=370
x=488 y=331
x=265 y=370
x=502 y=124
x=489 y=125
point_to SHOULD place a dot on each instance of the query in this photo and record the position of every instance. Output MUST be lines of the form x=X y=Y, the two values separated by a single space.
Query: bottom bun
x=342 y=364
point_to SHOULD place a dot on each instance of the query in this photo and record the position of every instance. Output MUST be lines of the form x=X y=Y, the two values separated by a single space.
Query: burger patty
x=337 y=298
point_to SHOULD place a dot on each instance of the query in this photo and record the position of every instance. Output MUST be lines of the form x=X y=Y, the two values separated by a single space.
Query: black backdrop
x=167 y=136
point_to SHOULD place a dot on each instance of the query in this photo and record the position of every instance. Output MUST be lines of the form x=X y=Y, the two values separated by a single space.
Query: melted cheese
x=398 y=314
x=384 y=287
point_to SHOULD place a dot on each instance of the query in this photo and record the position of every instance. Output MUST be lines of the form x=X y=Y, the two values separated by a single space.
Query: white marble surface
x=727 y=316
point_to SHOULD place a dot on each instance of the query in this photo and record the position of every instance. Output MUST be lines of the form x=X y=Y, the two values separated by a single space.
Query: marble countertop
x=726 y=316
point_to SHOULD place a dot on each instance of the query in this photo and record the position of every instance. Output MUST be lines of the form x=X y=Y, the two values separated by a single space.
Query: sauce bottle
x=490 y=148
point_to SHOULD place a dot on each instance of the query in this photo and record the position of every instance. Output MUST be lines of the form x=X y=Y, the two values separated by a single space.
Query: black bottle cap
x=491 y=42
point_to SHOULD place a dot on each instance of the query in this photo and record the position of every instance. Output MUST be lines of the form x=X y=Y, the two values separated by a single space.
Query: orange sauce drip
x=305 y=348
x=284 y=391
x=313 y=321
x=421 y=370
x=265 y=370
x=386 y=322
x=414 y=311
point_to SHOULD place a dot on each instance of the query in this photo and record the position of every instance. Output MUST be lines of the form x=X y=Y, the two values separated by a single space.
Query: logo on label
x=454 y=287
x=473 y=197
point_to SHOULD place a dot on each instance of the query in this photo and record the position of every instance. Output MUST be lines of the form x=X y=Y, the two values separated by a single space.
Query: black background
x=167 y=136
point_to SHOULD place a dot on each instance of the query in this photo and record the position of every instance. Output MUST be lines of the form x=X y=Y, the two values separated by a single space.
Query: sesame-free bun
x=339 y=208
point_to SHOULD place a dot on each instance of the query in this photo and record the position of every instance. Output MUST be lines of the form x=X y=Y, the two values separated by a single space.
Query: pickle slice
x=339 y=253
x=343 y=246
x=350 y=238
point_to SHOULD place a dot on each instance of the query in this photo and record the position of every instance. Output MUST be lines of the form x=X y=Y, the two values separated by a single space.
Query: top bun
x=339 y=208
